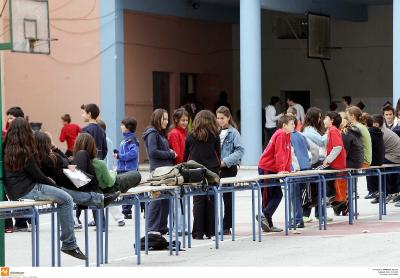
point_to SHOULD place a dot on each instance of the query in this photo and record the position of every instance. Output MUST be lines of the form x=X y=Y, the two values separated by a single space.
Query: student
x=378 y=156
x=116 y=211
x=176 y=139
x=390 y=119
x=271 y=118
x=354 y=115
x=232 y=152
x=24 y=180
x=128 y=154
x=300 y=161
x=159 y=154
x=291 y=111
x=300 y=116
x=352 y=143
x=69 y=132
x=335 y=156
x=392 y=156
x=203 y=146
x=90 y=114
x=276 y=158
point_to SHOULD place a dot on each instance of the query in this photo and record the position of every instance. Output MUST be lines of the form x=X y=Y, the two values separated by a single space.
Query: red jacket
x=176 y=140
x=335 y=139
x=277 y=156
x=69 y=132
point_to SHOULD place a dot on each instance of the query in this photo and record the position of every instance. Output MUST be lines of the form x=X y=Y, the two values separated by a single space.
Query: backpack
x=166 y=175
x=156 y=242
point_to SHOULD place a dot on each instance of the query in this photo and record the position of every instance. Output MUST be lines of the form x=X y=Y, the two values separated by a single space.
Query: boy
x=276 y=158
x=90 y=114
x=128 y=154
x=69 y=132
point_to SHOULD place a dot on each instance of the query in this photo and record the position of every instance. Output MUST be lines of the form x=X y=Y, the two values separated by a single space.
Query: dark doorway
x=188 y=87
x=161 y=90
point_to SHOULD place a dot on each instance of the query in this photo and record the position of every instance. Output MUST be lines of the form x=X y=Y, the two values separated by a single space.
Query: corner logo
x=5 y=271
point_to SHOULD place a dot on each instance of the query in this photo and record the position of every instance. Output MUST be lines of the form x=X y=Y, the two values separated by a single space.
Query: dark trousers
x=272 y=197
x=372 y=184
x=158 y=216
x=268 y=134
x=227 y=173
x=392 y=181
x=203 y=216
x=123 y=182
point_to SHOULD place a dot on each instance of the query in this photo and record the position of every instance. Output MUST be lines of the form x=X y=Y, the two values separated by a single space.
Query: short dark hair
x=333 y=106
x=274 y=100
x=377 y=118
x=102 y=124
x=15 y=111
x=285 y=119
x=93 y=109
x=347 y=99
x=335 y=117
x=369 y=121
x=387 y=107
x=130 y=123
x=66 y=118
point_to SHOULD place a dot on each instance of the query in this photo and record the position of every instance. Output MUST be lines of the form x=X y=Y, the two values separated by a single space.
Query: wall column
x=396 y=51
x=250 y=80
x=112 y=79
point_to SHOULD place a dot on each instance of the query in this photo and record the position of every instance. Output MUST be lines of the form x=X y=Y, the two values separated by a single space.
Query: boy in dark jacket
x=378 y=156
x=276 y=158
x=90 y=114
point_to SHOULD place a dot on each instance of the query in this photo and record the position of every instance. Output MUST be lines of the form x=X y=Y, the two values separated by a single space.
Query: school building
x=131 y=56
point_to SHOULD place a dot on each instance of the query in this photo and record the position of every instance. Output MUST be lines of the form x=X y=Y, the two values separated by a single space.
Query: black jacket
x=353 y=147
x=21 y=182
x=206 y=153
x=378 y=146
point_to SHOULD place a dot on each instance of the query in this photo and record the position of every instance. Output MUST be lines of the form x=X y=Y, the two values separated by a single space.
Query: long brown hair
x=156 y=118
x=43 y=146
x=227 y=113
x=85 y=142
x=203 y=124
x=19 y=145
x=314 y=119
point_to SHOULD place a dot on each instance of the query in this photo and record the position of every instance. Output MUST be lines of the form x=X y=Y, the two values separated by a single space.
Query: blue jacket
x=300 y=148
x=232 y=149
x=128 y=153
x=157 y=148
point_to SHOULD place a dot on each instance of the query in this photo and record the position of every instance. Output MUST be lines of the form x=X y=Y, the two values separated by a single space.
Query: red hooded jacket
x=176 y=140
x=277 y=156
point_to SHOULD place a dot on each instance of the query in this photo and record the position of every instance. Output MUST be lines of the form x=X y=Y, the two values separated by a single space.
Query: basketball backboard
x=29 y=26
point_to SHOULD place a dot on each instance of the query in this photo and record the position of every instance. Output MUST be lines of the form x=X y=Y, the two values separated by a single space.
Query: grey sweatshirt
x=392 y=145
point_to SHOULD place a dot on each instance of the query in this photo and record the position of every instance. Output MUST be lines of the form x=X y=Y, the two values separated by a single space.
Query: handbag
x=77 y=177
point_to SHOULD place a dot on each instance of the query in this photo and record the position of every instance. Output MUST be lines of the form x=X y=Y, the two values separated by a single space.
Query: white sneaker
x=307 y=219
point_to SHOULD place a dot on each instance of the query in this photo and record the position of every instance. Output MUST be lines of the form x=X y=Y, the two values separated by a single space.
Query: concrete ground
x=367 y=243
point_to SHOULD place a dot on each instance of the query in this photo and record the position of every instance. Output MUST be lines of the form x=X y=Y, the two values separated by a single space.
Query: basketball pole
x=3 y=46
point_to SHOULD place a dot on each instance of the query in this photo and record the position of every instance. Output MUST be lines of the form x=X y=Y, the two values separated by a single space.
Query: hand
x=72 y=167
x=223 y=163
x=115 y=155
x=173 y=153
x=325 y=163
x=283 y=172
x=51 y=179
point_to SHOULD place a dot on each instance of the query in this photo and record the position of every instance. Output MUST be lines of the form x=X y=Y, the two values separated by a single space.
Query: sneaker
x=20 y=229
x=300 y=225
x=389 y=198
x=264 y=224
x=77 y=226
x=9 y=230
x=370 y=195
x=397 y=204
x=128 y=216
x=92 y=223
x=274 y=229
x=227 y=232
x=109 y=198
x=77 y=253
x=307 y=219
x=375 y=201
x=396 y=198
x=121 y=223
x=328 y=219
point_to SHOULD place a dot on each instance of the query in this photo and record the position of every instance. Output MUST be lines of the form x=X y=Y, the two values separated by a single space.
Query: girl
x=159 y=154
x=231 y=153
x=203 y=146
x=176 y=140
x=24 y=180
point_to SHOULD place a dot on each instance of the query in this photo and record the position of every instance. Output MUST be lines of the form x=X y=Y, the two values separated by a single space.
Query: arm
x=238 y=151
x=333 y=154
x=315 y=137
x=62 y=134
x=153 y=151
x=314 y=150
x=103 y=175
x=131 y=154
x=34 y=171
x=280 y=153
x=173 y=140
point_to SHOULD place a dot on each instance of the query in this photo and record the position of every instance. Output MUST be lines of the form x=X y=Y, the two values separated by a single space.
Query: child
x=159 y=154
x=231 y=153
x=69 y=132
x=291 y=111
x=203 y=146
x=176 y=140
x=276 y=158
x=90 y=114
x=128 y=154
x=24 y=180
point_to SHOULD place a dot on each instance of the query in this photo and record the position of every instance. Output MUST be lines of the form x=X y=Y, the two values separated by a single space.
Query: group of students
x=213 y=141
x=337 y=140
x=34 y=168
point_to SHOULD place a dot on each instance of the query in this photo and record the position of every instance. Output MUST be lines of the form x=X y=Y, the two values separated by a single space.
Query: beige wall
x=48 y=86
x=174 y=45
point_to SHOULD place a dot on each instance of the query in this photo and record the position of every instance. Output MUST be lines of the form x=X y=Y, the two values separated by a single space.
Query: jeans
x=298 y=201
x=86 y=198
x=65 y=205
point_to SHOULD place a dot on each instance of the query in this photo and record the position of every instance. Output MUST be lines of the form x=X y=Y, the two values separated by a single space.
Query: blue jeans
x=90 y=199
x=65 y=205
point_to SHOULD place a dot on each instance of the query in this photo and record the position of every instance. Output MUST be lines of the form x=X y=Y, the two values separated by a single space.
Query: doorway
x=161 y=90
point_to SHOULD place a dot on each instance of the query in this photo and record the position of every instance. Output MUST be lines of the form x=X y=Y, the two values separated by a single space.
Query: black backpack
x=156 y=242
